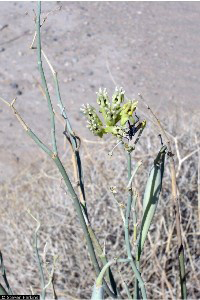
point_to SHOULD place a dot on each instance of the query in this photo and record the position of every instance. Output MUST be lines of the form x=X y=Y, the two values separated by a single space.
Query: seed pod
x=151 y=196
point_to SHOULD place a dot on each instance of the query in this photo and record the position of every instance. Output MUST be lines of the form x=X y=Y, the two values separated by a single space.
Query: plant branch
x=126 y=227
x=27 y=129
x=74 y=142
x=43 y=294
x=44 y=83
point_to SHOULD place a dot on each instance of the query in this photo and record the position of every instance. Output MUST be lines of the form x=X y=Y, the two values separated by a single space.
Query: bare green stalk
x=43 y=294
x=81 y=219
x=52 y=273
x=125 y=285
x=55 y=156
x=127 y=238
x=27 y=129
x=58 y=163
x=102 y=255
x=75 y=147
x=98 y=289
x=129 y=186
x=99 y=280
x=44 y=83
x=73 y=139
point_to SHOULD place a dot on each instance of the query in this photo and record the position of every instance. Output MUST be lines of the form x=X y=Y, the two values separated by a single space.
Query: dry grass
x=40 y=189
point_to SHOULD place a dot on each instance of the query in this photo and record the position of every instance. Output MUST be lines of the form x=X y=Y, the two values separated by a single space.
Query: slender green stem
x=135 y=196
x=136 y=286
x=82 y=220
x=71 y=136
x=63 y=112
x=127 y=240
x=73 y=140
x=129 y=165
x=127 y=291
x=78 y=208
x=43 y=294
x=39 y=142
x=56 y=158
x=182 y=273
x=76 y=204
x=68 y=127
x=103 y=258
x=44 y=83
x=99 y=280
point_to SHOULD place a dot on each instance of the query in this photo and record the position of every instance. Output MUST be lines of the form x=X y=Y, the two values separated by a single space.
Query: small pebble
x=14 y=85
x=75 y=59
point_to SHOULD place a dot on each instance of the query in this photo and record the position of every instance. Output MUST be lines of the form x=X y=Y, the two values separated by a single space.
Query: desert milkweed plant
x=116 y=117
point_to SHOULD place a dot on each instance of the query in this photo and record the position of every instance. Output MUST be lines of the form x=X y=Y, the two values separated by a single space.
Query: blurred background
x=150 y=48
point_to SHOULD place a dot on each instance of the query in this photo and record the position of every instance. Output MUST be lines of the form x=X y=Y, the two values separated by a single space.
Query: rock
x=14 y=85
x=19 y=92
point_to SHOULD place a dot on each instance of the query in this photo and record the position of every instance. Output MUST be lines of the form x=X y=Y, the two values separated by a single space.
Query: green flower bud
x=127 y=112
x=118 y=98
x=115 y=130
x=94 y=123
x=111 y=113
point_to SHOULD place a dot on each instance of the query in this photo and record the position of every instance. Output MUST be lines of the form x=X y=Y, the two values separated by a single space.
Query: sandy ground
x=147 y=47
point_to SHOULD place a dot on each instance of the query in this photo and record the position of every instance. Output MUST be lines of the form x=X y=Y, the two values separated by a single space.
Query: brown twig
x=11 y=105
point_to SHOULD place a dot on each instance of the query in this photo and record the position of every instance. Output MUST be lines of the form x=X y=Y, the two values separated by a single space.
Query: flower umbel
x=115 y=117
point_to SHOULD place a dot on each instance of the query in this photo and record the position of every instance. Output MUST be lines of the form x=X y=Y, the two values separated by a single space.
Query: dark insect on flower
x=133 y=129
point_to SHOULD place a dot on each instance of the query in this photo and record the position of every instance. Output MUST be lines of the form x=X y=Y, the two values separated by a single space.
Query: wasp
x=133 y=129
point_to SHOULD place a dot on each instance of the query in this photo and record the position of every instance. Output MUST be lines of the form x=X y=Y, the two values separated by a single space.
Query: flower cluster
x=94 y=122
x=115 y=114
x=110 y=111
